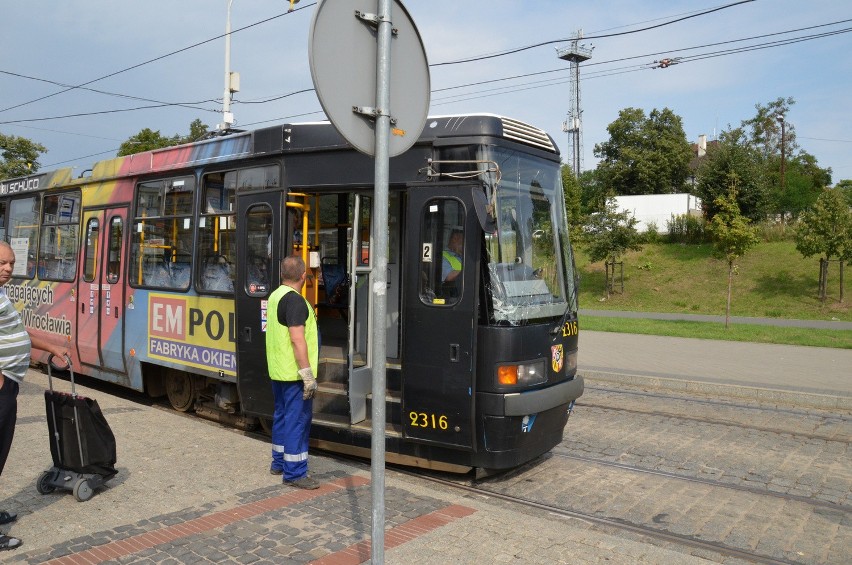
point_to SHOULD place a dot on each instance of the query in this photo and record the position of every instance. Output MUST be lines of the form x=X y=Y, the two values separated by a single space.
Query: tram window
x=162 y=234
x=366 y=213
x=116 y=232
x=442 y=251
x=3 y=221
x=60 y=229
x=258 y=245
x=23 y=234
x=217 y=233
x=90 y=256
x=258 y=177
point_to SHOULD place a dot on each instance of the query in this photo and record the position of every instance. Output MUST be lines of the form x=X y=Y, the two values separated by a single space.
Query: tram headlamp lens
x=522 y=374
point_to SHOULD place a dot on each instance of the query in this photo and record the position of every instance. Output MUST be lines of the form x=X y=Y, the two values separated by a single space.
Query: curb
x=790 y=397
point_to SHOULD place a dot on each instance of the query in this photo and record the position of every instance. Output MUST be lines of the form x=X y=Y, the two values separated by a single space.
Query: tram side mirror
x=485 y=216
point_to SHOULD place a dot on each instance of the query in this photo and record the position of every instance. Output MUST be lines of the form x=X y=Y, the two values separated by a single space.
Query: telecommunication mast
x=573 y=125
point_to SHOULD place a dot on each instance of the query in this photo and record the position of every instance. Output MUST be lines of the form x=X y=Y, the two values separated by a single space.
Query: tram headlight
x=521 y=374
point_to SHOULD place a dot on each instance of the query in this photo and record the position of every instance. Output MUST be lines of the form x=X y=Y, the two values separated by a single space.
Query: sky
x=170 y=55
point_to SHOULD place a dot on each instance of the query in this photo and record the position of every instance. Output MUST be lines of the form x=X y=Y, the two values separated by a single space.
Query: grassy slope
x=773 y=280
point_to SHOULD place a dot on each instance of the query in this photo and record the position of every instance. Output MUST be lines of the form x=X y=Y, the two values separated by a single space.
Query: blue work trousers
x=291 y=426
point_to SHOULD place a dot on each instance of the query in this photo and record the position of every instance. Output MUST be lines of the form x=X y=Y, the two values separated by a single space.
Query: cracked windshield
x=529 y=258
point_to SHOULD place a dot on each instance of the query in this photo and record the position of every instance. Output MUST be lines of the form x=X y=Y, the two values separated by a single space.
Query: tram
x=155 y=269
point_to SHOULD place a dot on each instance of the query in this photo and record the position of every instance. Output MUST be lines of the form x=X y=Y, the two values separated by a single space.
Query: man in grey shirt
x=15 y=345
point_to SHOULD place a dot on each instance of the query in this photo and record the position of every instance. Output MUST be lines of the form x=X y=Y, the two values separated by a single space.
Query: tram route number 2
x=428 y=420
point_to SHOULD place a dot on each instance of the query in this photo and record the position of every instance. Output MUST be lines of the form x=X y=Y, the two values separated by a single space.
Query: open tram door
x=441 y=294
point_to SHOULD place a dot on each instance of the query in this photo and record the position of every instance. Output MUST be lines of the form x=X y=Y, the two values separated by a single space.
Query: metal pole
x=380 y=269
x=577 y=120
x=226 y=97
x=783 y=172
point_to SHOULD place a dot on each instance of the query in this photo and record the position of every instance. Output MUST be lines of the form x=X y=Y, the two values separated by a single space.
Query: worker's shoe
x=274 y=471
x=306 y=483
x=8 y=542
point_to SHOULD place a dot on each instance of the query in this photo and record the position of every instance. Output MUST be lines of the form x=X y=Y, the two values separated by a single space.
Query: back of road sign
x=342 y=49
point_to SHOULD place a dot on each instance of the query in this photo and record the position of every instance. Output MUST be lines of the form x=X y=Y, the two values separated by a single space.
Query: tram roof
x=302 y=136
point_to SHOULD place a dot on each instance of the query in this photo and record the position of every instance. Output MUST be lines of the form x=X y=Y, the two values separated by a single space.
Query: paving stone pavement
x=189 y=491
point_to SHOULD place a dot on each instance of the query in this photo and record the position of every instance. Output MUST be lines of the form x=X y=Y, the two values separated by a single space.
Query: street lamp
x=780 y=118
x=232 y=80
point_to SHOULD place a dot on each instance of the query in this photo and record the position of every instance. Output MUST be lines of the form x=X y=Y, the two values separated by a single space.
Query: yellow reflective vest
x=280 y=358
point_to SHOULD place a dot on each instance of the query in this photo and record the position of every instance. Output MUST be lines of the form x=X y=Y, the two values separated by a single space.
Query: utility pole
x=232 y=80
x=573 y=125
x=780 y=118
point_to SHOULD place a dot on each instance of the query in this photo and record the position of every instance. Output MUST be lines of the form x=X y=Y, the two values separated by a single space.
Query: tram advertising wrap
x=193 y=331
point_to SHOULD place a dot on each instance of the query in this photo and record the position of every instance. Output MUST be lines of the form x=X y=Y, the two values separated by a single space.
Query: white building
x=658 y=208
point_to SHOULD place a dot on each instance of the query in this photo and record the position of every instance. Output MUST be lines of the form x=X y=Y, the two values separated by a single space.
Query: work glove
x=309 y=382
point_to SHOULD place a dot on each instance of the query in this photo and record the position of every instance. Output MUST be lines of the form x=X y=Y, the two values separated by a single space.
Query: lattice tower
x=573 y=125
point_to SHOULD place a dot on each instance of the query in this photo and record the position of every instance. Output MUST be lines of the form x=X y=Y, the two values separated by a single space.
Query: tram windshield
x=530 y=261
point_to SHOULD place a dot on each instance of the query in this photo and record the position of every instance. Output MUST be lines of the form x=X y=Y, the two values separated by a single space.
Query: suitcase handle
x=68 y=367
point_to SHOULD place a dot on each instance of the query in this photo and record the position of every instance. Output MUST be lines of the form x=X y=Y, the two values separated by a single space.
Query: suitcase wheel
x=82 y=490
x=43 y=485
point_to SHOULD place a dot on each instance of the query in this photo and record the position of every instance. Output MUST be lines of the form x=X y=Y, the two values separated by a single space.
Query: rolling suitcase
x=81 y=443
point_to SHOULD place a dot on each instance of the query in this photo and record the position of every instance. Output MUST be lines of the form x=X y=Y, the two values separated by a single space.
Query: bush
x=652 y=233
x=686 y=229
x=776 y=231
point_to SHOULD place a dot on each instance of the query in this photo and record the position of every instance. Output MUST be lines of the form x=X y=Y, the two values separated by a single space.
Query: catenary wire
x=602 y=36
x=136 y=66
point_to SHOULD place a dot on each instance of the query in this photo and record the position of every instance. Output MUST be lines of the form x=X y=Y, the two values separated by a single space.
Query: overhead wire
x=136 y=66
x=601 y=36
x=105 y=92
x=460 y=97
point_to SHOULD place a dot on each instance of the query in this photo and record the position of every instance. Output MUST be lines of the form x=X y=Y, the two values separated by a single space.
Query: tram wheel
x=82 y=490
x=266 y=425
x=181 y=390
x=43 y=485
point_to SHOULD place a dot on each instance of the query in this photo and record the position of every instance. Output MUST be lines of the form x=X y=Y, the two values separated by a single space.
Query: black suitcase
x=81 y=443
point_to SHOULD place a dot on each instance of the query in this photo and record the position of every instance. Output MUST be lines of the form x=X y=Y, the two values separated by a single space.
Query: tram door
x=260 y=240
x=100 y=290
x=439 y=322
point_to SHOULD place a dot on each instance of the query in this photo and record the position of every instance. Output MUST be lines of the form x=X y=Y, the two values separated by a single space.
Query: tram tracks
x=710 y=482
x=717 y=421
x=689 y=541
x=792 y=422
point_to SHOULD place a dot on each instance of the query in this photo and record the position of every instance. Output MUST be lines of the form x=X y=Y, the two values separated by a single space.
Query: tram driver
x=452 y=257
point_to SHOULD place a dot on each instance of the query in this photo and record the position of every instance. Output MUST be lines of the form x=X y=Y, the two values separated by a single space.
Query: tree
x=571 y=187
x=19 y=156
x=803 y=178
x=644 y=155
x=732 y=234
x=609 y=235
x=826 y=229
x=845 y=188
x=764 y=129
x=148 y=139
x=732 y=157
x=593 y=193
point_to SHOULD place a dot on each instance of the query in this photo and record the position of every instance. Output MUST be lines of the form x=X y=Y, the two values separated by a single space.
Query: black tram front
x=481 y=365
x=490 y=359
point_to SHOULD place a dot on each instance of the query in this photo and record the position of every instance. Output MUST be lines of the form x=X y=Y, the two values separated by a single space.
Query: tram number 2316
x=428 y=420
x=570 y=328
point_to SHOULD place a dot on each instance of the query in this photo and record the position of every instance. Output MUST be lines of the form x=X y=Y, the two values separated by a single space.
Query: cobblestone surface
x=189 y=491
x=176 y=472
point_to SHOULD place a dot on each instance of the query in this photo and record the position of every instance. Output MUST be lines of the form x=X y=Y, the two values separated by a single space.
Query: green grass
x=737 y=332
x=773 y=280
